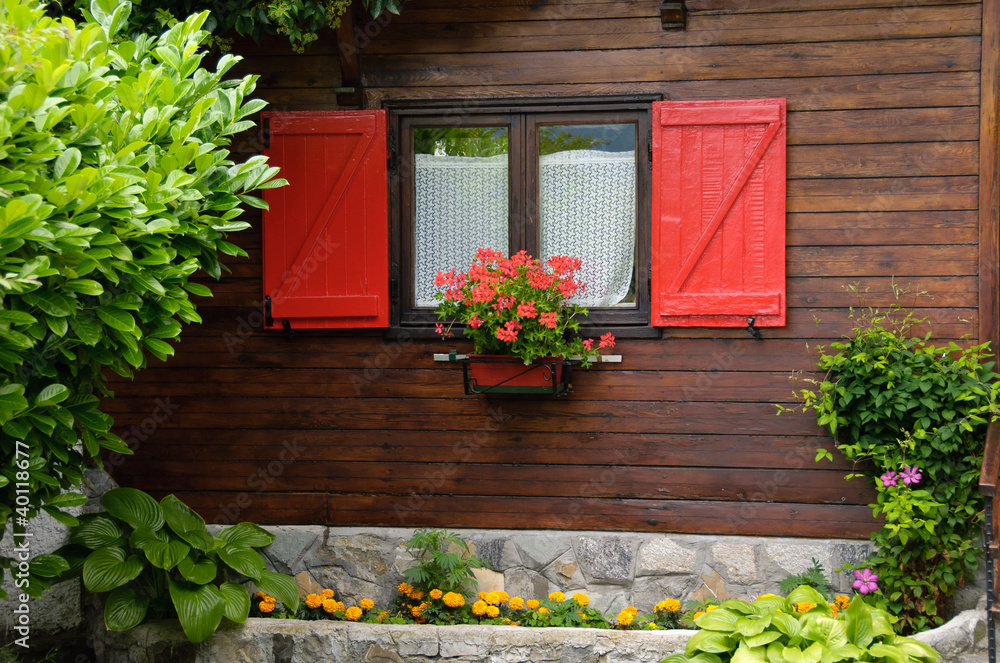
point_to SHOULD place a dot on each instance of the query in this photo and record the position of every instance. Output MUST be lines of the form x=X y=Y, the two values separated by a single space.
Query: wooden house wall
x=348 y=428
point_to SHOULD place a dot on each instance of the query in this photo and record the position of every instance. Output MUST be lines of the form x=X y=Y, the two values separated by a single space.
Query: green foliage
x=444 y=562
x=814 y=577
x=898 y=403
x=299 y=20
x=159 y=560
x=773 y=630
x=115 y=188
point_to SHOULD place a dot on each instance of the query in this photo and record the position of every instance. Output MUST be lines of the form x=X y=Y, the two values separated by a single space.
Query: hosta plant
x=802 y=628
x=157 y=559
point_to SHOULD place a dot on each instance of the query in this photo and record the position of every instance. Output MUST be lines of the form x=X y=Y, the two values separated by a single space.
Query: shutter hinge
x=265 y=133
x=268 y=320
x=393 y=282
x=753 y=331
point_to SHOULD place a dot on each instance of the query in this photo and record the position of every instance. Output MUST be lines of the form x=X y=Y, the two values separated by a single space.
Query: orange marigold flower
x=353 y=613
x=265 y=606
x=453 y=600
x=543 y=610
x=327 y=593
x=313 y=600
x=492 y=611
x=436 y=593
x=805 y=606
x=633 y=610
x=516 y=603
x=416 y=595
x=700 y=613
x=711 y=608
x=504 y=596
x=581 y=599
x=267 y=598
x=650 y=624
x=834 y=609
x=479 y=608
x=404 y=588
x=668 y=605
x=532 y=604
x=558 y=597
x=366 y=604
x=625 y=617
x=259 y=595
x=491 y=598
x=842 y=601
x=330 y=606
x=481 y=596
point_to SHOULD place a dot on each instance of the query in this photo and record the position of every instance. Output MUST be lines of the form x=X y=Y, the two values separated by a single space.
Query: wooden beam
x=349 y=92
x=989 y=177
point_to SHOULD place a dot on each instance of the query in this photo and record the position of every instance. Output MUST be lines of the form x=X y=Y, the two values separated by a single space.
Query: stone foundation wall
x=615 y=569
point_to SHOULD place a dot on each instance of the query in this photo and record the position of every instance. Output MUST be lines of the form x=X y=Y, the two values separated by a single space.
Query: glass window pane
x=587 y=204
x=460 y=200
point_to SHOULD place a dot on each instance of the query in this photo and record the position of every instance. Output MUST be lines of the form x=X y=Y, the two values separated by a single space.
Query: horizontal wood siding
x=353 y=428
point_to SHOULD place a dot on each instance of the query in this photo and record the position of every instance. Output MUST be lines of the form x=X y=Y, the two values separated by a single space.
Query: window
x=568 y=179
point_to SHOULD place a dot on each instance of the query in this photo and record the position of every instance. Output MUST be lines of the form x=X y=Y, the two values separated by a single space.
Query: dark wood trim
x=989 y=178
x=349 y=92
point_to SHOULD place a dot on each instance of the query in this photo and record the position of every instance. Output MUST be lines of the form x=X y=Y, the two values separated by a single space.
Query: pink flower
x=548 y=319
x=865 y=581
x=607 y=341
x=526 y=310
x=888 y=479
x=910 y=475
x=504 y=302
x=588 y=344
x=439 y=328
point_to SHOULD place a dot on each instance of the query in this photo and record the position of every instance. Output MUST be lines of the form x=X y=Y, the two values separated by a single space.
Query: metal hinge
x=393 y=282
x=265 y=138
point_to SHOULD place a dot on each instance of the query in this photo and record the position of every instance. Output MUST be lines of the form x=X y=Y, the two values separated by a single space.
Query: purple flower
x=910 y=475
x=864 y=581
x=888 y=479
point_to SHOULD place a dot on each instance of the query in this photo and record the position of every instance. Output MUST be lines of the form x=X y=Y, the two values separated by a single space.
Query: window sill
x=618 y=332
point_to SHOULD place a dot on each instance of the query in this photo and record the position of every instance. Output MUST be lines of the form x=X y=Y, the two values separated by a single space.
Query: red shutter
x=326 y=234
x=718 y=252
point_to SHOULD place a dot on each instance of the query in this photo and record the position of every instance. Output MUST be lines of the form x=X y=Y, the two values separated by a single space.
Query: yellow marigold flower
x=834 y=609
x=504 y=596
x=516 y=603
x=711 y=608
x=479 y=608
x=581 y=599
x=266 y=606
x=492 y=598
x=764 y=596
x=668 y=605
x=366 y=604
x=329 y=606
x=805 y=606
x=650 y=624
x=625 y=617
x=543 y=610
x=416 y=594
x=454 y=600
x=353 y=613
x=842 y=601
x=583 y=615
x=633 y=610
x=481 y=596
x=505 y=621
x=313 y=600
x=532 y=604
x=436 y=593
x=492 y=611
x=558 y=597
x=700 y=613
x=327 y=593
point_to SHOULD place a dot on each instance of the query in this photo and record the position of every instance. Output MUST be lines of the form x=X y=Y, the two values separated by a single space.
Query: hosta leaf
x=199 y=608
x=161 y=554
x=124 y=609
x=237 y=601
x=185 y=523
x=280 y=586
x=200 y=572
x=133 y=507
x=246 y=535
x=97 y=533
x=243 y=560
x=712 y=642
x=48 y=566
x=108 y=568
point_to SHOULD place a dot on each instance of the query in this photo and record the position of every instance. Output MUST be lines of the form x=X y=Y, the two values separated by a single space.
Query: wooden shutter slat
x=345 y=305
x=718 y=213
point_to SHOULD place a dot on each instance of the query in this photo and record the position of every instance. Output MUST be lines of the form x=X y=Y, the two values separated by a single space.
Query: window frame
x=523 y=117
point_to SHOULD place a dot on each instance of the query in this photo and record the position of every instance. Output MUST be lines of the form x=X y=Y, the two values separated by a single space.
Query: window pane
x=587 y=206
x=460 y=200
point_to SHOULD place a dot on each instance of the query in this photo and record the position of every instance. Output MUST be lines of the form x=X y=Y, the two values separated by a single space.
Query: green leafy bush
x=801 y=628
x=814 y=577
x=444 y=562
x=159 y=560
x=911 y=413
x=115 y=188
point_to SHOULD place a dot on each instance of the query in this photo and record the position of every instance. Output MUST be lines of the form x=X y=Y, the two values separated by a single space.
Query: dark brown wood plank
x=852 y=262
x=501 y=34
x=437 y=446
x=991 y=462
x=883 y=194
x=713 y=62
x=877 y=228
x=727 y=6
x=936 y=291
x=892 y=125
x=883 y=160
x=989 y=173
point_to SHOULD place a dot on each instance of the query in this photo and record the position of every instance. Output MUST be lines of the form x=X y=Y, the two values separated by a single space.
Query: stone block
x=489 y=581
x=647 y=591
x=526 y=584
x=605 y=558
x=662 y=556
x=737 y=560
x=292 y=545
x=537 y=551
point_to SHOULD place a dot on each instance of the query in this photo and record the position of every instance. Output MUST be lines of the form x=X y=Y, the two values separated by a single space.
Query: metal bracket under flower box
x=498 y=374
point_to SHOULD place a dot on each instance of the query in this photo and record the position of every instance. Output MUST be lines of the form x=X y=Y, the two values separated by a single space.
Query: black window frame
x=523 y=117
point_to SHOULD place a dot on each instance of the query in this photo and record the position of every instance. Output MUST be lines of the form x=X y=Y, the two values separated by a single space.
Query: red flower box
x=505 y=374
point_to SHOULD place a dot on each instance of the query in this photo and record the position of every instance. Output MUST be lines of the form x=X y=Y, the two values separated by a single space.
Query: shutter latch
x=753 y=331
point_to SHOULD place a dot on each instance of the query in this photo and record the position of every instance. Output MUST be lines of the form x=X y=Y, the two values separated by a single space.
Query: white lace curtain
x=587 y=201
